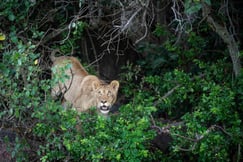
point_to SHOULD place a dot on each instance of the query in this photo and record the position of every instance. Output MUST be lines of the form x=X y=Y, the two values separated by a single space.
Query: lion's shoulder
x=87 y=83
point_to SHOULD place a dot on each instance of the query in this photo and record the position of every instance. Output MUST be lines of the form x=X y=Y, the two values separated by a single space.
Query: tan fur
x=82 y=90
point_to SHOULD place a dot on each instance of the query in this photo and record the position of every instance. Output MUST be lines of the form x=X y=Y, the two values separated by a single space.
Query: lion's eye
x=109 y=93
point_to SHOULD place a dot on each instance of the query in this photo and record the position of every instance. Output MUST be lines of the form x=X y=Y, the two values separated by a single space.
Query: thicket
x=185 y=88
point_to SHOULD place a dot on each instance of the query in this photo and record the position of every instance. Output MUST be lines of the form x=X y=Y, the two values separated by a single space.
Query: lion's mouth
x=104 y=109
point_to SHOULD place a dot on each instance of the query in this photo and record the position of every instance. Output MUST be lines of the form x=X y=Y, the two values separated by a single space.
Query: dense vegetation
x=179 y=65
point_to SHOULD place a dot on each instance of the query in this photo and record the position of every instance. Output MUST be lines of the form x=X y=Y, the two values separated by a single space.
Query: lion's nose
x=103 y=102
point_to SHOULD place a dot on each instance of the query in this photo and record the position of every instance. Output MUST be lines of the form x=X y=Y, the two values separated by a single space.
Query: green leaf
x=11 y=17
x=208 y=2
x=67 y=143
x=2 y=37
x=193 y=8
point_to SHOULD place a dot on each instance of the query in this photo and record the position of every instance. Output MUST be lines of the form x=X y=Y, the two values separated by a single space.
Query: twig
x=166 y=128
x=167 y=94
x=200 y=137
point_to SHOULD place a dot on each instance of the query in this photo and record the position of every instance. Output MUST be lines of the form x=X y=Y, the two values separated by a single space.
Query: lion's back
x=76 y=67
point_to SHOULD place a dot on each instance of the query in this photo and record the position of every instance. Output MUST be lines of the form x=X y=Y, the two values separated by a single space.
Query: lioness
x=80 y=89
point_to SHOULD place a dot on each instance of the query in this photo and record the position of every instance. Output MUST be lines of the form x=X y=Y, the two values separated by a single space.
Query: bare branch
x=198 y=137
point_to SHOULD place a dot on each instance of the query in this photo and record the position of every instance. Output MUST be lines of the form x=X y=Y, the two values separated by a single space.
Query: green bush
x=180 y=81
x=122 y=137
x=21 y=93
x=202 y=97
x=26 y=98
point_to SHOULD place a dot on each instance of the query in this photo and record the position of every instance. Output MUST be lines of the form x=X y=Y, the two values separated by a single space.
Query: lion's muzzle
x=104 y=107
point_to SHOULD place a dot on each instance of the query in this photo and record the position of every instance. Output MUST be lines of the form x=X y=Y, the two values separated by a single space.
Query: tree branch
x=227 y=37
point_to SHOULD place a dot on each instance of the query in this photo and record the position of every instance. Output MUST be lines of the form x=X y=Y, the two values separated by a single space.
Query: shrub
x=122 y=137
x=205 y=103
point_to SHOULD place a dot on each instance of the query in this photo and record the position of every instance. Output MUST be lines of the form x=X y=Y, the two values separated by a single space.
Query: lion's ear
x=115 y=85
x=95 y=85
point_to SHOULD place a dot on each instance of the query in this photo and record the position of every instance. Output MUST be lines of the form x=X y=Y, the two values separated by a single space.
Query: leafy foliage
x=204 y=101
x=181 y=87
x=120 y=137
x=21 y=93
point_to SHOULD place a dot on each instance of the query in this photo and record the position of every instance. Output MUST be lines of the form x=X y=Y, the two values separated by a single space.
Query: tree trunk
x=227 y=37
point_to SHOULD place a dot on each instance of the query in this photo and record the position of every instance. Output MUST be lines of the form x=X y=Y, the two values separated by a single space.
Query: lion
x=80 y=89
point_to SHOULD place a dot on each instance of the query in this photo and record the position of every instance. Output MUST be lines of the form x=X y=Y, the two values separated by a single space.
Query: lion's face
x=105 y=95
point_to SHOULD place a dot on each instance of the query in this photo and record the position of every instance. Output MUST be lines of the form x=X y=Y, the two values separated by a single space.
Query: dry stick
x=144 y=22
x=161 y=130
x=145 y=34
x=124 y=27
x=53 y=34
x=69 y=86
x=58 y=31
x=200 y=137
x=168 y=94
x=126 y=22
x=166 y=128
x=238 y=153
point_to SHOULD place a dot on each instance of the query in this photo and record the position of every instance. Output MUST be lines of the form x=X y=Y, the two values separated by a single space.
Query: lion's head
x=105 y=94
